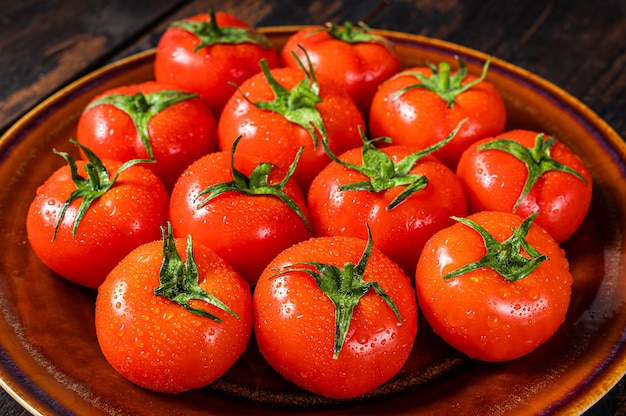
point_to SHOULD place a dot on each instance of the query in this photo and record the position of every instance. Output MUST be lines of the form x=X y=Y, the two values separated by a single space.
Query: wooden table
x=578 y=45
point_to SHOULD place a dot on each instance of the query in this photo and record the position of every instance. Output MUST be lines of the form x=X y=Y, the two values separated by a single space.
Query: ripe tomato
x=246 y=213
x=335 y=316
x=172 y=322
x=281 y=110
x=353 y=56
x=206 y=52
x=525 y=172
x=149 y=120
x=499 y=309
x=404 y=195
x=81 y=225
x=421 y=105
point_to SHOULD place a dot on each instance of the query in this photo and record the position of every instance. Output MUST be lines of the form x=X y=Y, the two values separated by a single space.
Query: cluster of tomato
x=316 y=196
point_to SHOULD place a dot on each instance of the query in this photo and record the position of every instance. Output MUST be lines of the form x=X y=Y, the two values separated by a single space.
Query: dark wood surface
x=578 y=45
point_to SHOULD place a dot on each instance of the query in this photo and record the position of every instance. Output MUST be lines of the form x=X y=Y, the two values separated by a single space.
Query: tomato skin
x=401 y=232
x=126 y=216
x=363 y=65
x=246 y=231
x=209 y=70
x=294 y=322
x=179 y=134
x=494 y=181
x=157 y=343
x=271 y=137
x=420 y=118
x=480 y=313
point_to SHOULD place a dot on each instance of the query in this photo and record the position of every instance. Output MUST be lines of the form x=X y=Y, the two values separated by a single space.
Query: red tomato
x=541 y=175
x=246 y=225
x=494 y=312
x=149 y=121
x=295 y=320
x=353 y=56
x=401 y=230
x=206 y=52
x=126 y=213
x=169 y=345
x=413 y=114
x=296 y=110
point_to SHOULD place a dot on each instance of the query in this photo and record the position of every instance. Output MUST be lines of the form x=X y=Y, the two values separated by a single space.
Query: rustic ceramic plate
x=51 y=363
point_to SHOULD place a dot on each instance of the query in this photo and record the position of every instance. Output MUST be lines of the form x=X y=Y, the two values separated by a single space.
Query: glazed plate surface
x=51 y=363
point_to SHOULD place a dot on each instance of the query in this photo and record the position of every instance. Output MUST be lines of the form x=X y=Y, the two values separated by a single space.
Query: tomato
x=82 y=224
x=172 y=322
x=247 y=212
x=335 y=316
x=354 y=56
x=523 y=171
x=149 y=120
x=206 y=52
x=281 y=110
x=421 y=105
x=404 y=195
x=494 y=296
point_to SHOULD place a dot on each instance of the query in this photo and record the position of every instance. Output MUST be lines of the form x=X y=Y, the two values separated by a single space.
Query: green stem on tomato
x=538 y=160
x=210 y=33
x=505 y=258
x=359 y=34
x=142 y=107
x=446 y=86
x=96 y=184
x=179 y=280
x=255 y=184
x=297 y=105
x=345 y=288
x=383 y=173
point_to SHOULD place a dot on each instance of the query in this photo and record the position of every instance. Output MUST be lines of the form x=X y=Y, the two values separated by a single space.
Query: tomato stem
x=383 y=173
x=210 y=33
x=256 y=184
x=179 y=280
x=142 y=107
x=344 y=287
x=538 y=160
x=441 y=82
x=297 y=105
x=97 y=183
x=506 y=257
x=359 y=34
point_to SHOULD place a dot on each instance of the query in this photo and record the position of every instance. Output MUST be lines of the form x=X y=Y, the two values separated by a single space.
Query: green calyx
x=538 y=160
x=446 y=86
x=142 y=107
x=297 y=105
x=256 y=184
x=210 y=33
x=179 y=280
x=383 y=173
x=505 y=258
x=96 y=184
x=357 y=34
x=344 y=287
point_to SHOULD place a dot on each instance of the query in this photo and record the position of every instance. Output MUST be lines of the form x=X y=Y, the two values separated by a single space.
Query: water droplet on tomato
x=362 y=338
x=493 y=321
